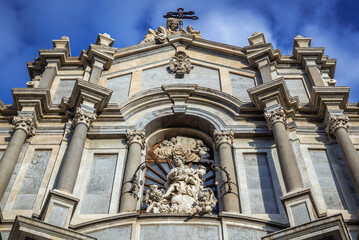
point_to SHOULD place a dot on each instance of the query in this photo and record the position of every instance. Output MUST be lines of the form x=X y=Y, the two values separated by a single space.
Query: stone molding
x=136 y=136
x=274 y=116
x=223 y=136
x=83 y=116
x=25 y=123
x=336 y=121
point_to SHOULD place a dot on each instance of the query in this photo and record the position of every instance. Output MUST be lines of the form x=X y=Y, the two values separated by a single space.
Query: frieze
x=26 y=123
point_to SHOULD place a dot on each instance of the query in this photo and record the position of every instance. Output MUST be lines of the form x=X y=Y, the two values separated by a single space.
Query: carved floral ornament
x=83 y=116
x=183 y=191
x=336 y=121
x=26 y=123
x=277 y=115
x=223 y=136
x=136 y=136
x=180 y=64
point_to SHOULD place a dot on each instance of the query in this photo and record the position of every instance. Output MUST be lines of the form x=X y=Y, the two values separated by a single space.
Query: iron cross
x=180 y=14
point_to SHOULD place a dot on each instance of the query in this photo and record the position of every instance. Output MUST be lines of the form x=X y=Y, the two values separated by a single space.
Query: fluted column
x=73 y=155
x=136 y=142
x=224 y=143
x=338 y=125
x=24 y=127
x=277 y=122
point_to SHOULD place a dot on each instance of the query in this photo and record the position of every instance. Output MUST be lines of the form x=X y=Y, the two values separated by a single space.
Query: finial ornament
x=180 y=64
x=274 y=116
x=136 y=136
x=83 y=116
x=223 y=136
x=26 y=123
x=336 y=121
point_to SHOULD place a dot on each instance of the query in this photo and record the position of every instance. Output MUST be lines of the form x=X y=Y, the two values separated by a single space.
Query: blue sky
x=26 y=26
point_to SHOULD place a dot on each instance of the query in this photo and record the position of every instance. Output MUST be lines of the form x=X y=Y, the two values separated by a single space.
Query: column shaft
x=10 y=157
x=230 y=200
x=287 y=161
x=129 y=200
x=350 y=155
x=72 y=158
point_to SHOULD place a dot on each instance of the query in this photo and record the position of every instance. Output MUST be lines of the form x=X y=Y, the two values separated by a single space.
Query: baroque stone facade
x=180 y=137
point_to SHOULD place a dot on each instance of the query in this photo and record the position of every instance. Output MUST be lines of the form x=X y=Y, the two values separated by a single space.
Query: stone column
x=24 y=127
x=338 y=125
x=136 y=142
x=277 y=122
x=224 y=143
x=73 y=155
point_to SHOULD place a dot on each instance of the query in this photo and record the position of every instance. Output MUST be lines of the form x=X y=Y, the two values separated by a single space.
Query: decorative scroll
x=83 y=116
x=184 y=191
x=275 y=116
x=336 y=121
x=136 y=136
x=223 y=136
x=180 y=64
x=26 y=123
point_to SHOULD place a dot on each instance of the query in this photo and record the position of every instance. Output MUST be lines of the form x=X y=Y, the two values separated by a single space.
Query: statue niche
x=182 y=182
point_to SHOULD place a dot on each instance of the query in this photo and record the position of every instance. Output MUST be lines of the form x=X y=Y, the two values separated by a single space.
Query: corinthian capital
x=83 y=116
x=336 y=121
x=277 y=115
x=223 y=136
x=136 y=136
x=26 y=123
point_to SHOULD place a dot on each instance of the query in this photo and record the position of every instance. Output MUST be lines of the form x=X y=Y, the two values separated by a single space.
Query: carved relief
x=83 y=116
x=275 y=116
x=223 y=136
x=184 y=192
x=190 y=149
x=180 y=64
x=26 y=123
x=136 y=136
x=336 y=121
x=162 y=34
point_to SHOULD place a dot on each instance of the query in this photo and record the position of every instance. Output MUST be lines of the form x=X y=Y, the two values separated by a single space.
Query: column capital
x=25 y=123
x=274 y=116
x=223 y=136
x=83 y=116
x=136 y=136
x=336 y=121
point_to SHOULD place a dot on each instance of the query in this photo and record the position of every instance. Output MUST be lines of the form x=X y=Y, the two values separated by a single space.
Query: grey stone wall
x=122 y=232
x=64 y=89
x=120 y=87
x=240 y=84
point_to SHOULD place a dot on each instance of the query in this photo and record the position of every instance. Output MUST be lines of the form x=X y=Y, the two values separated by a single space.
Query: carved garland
x=83 y=116
x=336 y=121
x=136 y=136
x=26 y=123
x=275 y=116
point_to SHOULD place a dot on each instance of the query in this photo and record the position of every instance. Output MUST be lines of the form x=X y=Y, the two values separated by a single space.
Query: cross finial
x=180 y=14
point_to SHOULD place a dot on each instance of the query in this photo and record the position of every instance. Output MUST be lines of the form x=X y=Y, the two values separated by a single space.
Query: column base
x=332 y=227
x=299 y=206
x=28 y=228
x=58 y=208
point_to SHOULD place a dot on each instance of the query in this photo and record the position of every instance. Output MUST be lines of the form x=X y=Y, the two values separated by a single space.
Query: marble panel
x=296 y=88
x=120 y=87
x=240 y=84
x=236 y=232
x=64 y=89
x=122 y=232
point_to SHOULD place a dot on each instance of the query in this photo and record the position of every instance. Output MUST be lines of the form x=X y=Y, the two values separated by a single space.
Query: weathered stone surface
x=236 y=232
x=114 y=233
x=240 y=84
x=120 y=87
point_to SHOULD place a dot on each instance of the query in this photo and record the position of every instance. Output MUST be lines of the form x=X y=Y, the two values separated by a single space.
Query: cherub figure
x=153 y=198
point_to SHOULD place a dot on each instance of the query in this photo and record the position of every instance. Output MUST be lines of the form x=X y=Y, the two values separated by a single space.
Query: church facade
x=179 y=137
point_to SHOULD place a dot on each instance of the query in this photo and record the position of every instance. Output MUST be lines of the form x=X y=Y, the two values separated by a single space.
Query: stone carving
x=180 y=64
x=336 y=121
x=184 y=191
x=26 y=123
x=192 y=150
x=136 y=136
x=162 y=34
x=83 y=116
x=223 y=136
x=277 y=115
